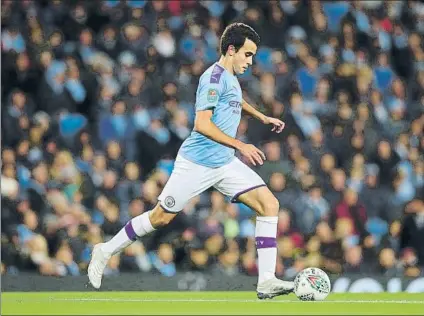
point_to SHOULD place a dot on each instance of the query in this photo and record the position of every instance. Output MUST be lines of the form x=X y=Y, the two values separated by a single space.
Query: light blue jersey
x=219 y=91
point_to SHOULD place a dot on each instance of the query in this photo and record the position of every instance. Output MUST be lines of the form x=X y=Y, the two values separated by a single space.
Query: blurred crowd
x=99 y=95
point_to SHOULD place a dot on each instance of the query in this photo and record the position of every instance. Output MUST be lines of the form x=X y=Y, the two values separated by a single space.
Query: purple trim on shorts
x=234 y=199
x=266 y=242
x=167 y=210
x=129 y=229
x=216 y=73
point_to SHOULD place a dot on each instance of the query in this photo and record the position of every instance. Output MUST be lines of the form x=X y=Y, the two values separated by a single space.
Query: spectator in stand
x=350 y=208
x=412 y=231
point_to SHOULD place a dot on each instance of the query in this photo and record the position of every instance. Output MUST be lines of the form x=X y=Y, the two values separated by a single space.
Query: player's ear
x=231 y=50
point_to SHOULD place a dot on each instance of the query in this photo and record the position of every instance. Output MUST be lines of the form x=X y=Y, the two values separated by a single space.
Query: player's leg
x=266 y=206
x=245 y=186
x=137 y=227
x=186 y=181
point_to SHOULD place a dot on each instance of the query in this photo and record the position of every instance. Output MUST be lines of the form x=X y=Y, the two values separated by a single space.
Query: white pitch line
x=123 y=300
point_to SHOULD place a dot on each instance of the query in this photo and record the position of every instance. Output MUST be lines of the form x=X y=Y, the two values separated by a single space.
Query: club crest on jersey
x=212 y=95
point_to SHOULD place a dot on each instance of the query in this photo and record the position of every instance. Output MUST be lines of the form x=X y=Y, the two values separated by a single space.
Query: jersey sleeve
x=208 y=93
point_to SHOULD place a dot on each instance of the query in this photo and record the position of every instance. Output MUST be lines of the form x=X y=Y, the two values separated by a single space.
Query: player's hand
x=278 y=125
x=253 y=154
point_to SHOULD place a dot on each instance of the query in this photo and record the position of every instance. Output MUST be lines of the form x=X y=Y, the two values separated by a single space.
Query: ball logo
x=169 y=201
x=318 y=283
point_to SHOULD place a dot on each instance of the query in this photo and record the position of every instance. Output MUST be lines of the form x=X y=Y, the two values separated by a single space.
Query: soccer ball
x=312 y=284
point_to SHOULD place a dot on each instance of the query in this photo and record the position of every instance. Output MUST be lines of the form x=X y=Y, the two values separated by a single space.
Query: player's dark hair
x=235 y=34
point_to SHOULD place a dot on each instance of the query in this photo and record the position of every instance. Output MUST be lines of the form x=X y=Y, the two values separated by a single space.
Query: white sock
x=266 y=245
x=135 y=228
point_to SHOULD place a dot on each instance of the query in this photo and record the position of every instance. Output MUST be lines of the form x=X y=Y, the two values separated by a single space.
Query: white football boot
x=99 y=260
x=274 y=287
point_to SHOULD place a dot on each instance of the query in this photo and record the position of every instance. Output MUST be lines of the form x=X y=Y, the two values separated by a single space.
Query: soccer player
x=206 y=159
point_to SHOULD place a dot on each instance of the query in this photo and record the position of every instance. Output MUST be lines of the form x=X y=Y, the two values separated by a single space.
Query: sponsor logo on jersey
x=235 y=104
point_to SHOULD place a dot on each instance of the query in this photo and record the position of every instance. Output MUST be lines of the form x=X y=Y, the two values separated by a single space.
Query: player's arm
x=252 y=111
x=278 y=125
x=203 y=124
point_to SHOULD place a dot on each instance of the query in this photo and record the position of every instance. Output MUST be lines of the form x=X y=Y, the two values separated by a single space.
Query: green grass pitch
x=205 y=303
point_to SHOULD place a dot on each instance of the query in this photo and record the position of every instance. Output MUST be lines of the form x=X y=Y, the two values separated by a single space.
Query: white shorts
x=189 y=179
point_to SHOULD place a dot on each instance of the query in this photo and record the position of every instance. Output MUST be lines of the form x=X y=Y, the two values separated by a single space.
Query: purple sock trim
x=130 y=231
x=266 y=242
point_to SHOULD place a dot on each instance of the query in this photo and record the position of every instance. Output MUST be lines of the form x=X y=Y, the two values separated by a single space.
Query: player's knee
x=270 y=207
x=159 y=218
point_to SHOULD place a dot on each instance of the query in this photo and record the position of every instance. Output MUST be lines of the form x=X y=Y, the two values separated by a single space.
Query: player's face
x=243 y=59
